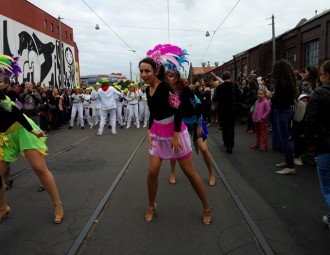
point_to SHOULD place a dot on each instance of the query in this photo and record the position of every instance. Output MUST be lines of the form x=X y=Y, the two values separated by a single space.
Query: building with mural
x=32 y=34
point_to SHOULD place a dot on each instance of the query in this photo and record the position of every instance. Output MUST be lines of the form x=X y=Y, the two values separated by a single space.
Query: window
x=71 y=37
x=312 y=53
x=45 y=23
x=51 y=27
x=245 y=69
x=66 y=35
x=291 y=56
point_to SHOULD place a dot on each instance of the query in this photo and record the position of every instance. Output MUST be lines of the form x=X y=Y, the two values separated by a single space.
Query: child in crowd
x=260 y=119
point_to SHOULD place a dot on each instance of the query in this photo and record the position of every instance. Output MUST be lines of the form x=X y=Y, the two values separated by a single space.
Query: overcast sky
x=131 y=27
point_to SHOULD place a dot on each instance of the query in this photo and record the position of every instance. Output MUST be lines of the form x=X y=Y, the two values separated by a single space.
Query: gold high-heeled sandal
x=58 y=217
x=151 y=211
x=6 y=211
x=207 y=217
x=212 y=180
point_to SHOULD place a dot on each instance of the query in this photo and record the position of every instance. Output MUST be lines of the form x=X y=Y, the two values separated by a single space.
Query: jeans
x=323 y=169
x=283 y=119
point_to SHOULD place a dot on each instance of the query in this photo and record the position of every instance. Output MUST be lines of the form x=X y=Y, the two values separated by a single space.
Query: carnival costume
x=15 y=128
x=165 y=111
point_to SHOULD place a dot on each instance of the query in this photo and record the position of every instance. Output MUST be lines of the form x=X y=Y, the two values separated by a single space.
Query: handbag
x=299 y=110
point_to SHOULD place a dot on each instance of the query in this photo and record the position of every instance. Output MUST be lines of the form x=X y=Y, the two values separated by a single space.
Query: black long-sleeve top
x=188 y=106
x=9 y=117
x=160 y=108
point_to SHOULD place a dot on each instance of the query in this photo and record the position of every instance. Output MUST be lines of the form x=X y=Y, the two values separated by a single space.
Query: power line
x=129 y=47
x=208 y=46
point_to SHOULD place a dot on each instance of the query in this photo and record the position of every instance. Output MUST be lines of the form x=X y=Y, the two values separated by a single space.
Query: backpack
x=299 y=110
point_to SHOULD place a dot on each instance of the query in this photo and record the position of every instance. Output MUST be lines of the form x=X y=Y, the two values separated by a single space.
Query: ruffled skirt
x=162 y=135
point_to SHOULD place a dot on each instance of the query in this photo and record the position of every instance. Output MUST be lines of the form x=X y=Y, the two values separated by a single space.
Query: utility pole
x=130 y=70
x=61 y=85
x=273 y=40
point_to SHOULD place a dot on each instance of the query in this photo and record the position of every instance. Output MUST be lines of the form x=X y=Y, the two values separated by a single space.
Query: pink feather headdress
x=171 y=56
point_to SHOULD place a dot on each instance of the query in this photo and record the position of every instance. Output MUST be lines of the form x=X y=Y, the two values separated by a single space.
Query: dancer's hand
x=199 y=131
x=150 y=138
x=39 y=133
x=176 y=147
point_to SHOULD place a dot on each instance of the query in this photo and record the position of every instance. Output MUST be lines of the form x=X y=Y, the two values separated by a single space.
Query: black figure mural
x=41 y=61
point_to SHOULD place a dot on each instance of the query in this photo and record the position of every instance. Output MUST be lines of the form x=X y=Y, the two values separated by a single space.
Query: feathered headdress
x=171 y=56
x=8 y=65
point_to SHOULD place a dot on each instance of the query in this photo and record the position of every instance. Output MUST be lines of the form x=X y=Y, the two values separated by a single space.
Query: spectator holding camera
x=30 y=99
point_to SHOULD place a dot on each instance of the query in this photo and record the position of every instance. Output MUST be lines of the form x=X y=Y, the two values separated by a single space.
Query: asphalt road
x=287 y=210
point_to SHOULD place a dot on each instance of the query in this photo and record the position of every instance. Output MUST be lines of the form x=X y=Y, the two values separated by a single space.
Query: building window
x=51 y=27
x=312 y=53
x=45 y=23
x=245 y=69
x=66 y=35
x=291 y=56
x=71 y=37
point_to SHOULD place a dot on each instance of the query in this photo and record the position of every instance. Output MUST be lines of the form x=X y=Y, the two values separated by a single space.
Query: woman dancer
x=167 y=135
x=192 y=118
x=19 y=134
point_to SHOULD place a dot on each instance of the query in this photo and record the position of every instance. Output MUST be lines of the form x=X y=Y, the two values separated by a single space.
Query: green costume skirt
x=17 y=139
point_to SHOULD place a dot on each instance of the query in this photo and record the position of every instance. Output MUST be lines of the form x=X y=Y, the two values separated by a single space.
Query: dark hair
x=179 y=83
x=283 y=75
x=155 y=66
x=326 y=66
x=226 y=75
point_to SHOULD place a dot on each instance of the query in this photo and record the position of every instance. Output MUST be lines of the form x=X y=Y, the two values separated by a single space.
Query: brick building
x=307 y=44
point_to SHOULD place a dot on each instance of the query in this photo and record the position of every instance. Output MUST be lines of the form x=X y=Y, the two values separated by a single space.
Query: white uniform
x=108 y=106
x=77 y=106
x=96 y=106
x=143 y=108
x=133 y=108
x=87 y=108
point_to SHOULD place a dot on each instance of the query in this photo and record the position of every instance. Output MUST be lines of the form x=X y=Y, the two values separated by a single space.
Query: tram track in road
x=244 y=212
x=82 y=239
x=53 y=156
x=78 y=244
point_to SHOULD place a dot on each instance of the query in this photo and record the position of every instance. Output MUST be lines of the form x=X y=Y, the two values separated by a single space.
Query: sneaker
x=82 y=128
x=208 y=124
x=91 y=127
x=127 y=127
x=298 y=162
x=283 y=164
x=287 y=171
x=325 y=220
x=145 y=125
x=114 y=132
x=98 y=133
x=70 y=127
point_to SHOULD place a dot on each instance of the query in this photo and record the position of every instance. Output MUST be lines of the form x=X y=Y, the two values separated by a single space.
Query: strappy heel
x=212 y=180
x=151 y=211
x=58 y=217
x=207 y=217
x=172 y=179
x=6 y=211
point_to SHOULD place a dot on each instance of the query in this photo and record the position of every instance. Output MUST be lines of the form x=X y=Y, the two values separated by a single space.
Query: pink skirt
x=162 y=135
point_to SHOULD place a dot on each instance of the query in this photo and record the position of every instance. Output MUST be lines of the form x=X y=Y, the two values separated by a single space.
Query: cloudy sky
x=128 y=29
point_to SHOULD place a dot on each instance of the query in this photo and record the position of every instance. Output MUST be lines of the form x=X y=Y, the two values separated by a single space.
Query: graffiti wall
x=38 y=54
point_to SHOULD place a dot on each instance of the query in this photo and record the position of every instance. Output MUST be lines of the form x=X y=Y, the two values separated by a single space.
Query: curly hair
x=283 y=75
